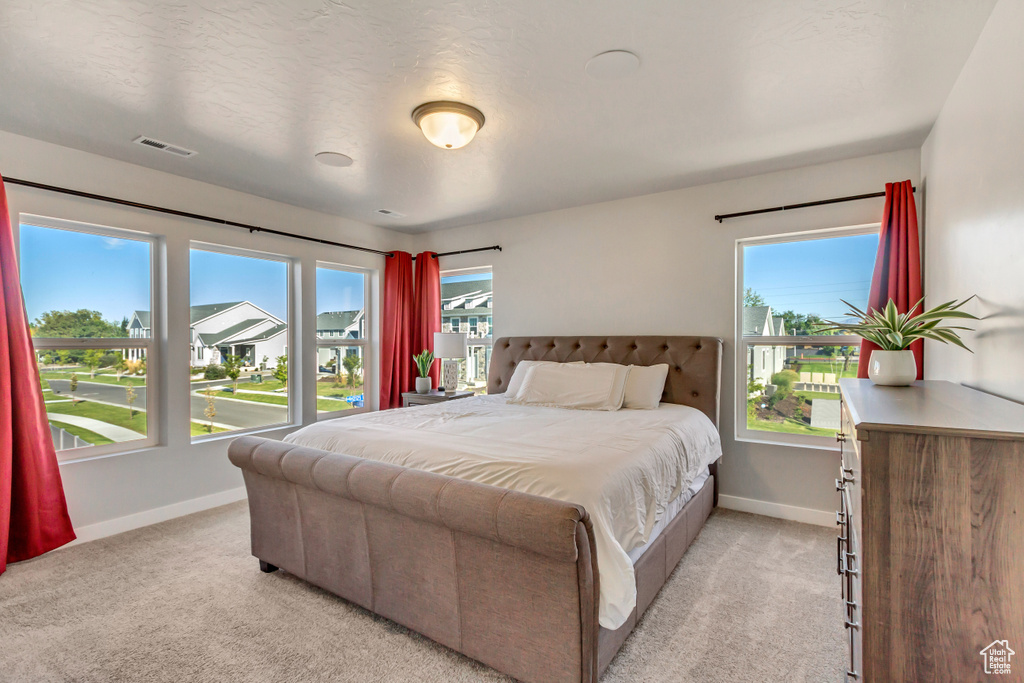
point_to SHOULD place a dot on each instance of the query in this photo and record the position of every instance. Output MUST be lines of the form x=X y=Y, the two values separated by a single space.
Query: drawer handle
x=840 y=437
x=840 y=485
x=840 y=517
x=852 y=674
x=840 y=566
x=855 y=625
x=845 y=475
x=845 y=565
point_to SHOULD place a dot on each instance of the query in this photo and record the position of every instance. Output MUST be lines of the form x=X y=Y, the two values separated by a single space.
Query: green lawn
x=83 y=376
x=202 y=429
x=820 y=366
x=83 y=434
x=787 y=426
x=114 y=415
x=322 y=405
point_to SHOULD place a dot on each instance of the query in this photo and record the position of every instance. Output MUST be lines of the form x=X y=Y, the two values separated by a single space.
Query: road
x=242 y=415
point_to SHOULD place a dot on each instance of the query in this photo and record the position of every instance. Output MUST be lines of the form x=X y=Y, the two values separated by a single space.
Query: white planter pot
x=422 y=385
x=892 y=368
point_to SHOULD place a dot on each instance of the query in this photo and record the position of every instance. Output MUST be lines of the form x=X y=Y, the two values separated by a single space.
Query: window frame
x=149 y=344
x=487 y=341
x=741 y=431
x=294 y=415
x=332 y=341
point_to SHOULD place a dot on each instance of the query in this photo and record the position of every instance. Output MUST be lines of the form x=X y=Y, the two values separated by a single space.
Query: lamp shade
x=448 y=125
x=450 y=344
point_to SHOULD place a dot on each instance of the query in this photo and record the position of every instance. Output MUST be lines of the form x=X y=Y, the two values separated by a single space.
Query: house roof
x=143 y=317
x=262 y=336
x=755 y=319
x=197 y=313
x=778 y=325
x=336 y=320
x=455 y=290
x=214 y=338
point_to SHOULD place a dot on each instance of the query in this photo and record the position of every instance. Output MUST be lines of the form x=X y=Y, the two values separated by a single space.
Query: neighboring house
x=466 y=307
x=339 y=325
x=763 y=361
x=238 y=328
x=138 y=328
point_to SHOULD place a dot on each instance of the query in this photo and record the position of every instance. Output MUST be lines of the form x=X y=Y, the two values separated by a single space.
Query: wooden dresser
x=931 y=531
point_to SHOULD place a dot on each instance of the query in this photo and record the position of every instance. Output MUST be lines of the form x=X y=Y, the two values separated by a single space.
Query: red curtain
x=33 y=514
x=396 y=366
x=897 y=273
x=427 y=310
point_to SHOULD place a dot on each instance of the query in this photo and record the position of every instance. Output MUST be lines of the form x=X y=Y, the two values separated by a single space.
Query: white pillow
x=591 y=386
x=645 y=385
x=516 y=381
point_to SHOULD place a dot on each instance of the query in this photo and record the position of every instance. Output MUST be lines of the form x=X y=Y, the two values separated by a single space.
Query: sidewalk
x=112 y=432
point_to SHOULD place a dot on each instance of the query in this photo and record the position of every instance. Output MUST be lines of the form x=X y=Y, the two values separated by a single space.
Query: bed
x=507 y=574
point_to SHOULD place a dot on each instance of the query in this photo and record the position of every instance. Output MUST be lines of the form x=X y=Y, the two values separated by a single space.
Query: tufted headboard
x=694 y=363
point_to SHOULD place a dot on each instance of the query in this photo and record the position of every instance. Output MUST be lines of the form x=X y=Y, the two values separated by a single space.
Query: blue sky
x=466 y=278
x=812 y=276
x=216 y=278
x=338 y=290
x=66 y=270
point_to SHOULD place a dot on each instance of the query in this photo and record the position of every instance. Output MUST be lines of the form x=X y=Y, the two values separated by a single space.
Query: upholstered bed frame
x=506 y=578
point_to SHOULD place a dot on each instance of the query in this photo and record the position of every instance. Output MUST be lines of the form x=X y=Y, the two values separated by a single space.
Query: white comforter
x=624 y=467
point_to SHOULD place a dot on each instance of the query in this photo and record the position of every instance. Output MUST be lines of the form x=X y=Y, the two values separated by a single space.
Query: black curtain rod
x=211 y=219
x=820 y=202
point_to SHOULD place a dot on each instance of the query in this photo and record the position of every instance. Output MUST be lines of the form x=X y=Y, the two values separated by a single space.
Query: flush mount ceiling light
x=612 y=65
x=336 y=159
x=449 y=125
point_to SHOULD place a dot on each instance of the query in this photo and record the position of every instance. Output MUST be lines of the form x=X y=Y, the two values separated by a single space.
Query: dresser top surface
x=931 y=406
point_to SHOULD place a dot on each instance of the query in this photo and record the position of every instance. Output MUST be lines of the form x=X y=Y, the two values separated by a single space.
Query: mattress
x=624 y=467
x=674 y=508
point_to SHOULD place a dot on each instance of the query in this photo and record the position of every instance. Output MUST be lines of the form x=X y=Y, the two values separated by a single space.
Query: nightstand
x=411 y=398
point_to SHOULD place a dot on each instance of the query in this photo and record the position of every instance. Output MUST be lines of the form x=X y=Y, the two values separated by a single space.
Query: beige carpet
x=754 y=599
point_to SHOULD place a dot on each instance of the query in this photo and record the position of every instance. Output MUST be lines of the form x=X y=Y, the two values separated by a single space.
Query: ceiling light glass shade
x=449 y=125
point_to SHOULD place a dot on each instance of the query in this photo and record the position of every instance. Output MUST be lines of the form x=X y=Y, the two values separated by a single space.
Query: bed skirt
x=507 y=578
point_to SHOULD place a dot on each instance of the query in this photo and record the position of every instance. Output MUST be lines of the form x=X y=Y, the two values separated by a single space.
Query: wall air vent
x=390 y=213
x=164 y=146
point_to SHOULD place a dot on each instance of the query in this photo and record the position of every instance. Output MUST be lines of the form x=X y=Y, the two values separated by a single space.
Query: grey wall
x=660 y=264
x=973 y=170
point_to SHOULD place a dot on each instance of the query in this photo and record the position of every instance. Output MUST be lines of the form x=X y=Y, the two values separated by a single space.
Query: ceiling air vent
x=164 y=146
x=389 y=212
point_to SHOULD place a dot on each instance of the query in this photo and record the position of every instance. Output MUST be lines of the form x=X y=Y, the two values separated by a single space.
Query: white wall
x=117 y=492
x=973 y=169
x=660 y=264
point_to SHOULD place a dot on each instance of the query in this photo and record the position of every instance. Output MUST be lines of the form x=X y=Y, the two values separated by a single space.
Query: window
x=239 y=357
x=466 y=299
x=788 y=374
x=89 y=298
x=341 y=334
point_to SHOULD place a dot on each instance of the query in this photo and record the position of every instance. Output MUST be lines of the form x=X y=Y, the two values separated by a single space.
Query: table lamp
x=450 y=346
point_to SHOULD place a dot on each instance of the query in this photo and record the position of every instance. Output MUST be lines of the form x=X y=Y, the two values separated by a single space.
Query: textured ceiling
x=257 y=87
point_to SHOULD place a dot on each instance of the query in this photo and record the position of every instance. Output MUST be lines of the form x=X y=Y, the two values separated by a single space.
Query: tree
x=129 y=397
x=281 y=369
x=93 y=358
x=211 y=409
x=120 y=366
x=233 y=368
x=124 y=326
x=752 y=298
x=352 y=363
x=80 y=323
x=73 y=386
x=784 y=380
x=141 y=369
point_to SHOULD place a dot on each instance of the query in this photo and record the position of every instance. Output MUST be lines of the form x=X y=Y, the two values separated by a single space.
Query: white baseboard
x=91 y=532
x=790 y=512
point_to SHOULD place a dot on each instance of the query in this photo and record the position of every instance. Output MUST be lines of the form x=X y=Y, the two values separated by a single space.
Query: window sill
x=826 y=445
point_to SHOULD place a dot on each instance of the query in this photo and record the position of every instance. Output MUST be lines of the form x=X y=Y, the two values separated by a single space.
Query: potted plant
x=424 y=361
x=892 y=364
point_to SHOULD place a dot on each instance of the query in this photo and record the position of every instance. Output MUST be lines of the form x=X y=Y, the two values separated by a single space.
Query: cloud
x=112 y=243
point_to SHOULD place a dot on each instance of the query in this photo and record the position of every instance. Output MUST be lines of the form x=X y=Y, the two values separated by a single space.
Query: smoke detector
x=164 y=146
